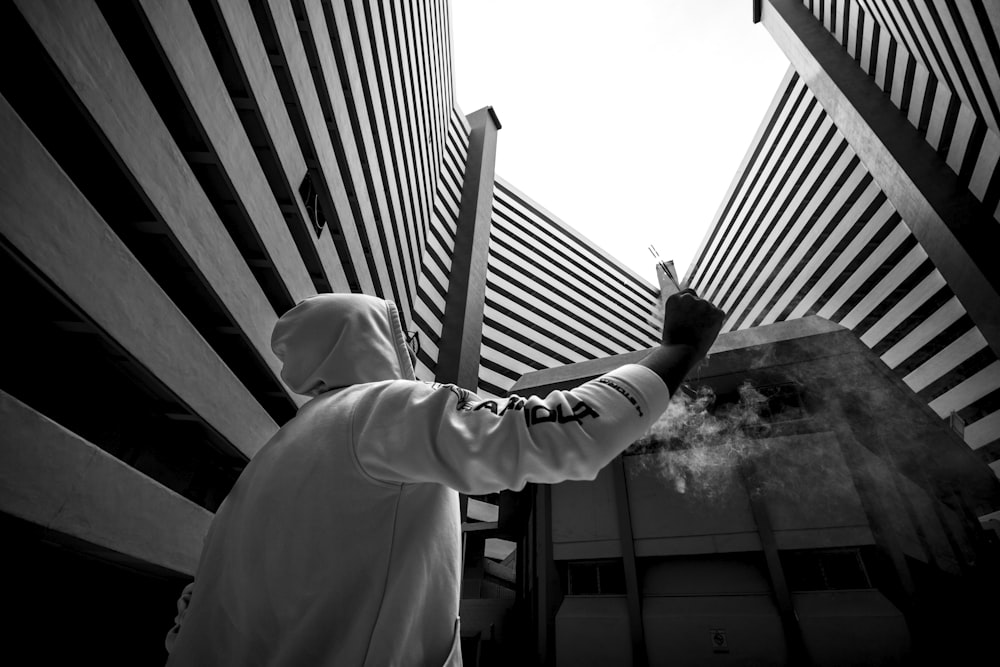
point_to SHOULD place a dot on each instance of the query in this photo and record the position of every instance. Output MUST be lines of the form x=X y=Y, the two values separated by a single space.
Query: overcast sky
x=626 y=119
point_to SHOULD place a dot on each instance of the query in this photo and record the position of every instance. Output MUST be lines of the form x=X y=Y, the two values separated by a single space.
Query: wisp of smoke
x=697 y=449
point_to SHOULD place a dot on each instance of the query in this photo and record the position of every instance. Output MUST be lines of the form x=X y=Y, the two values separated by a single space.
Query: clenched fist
x=691 y=321
x=690 y=326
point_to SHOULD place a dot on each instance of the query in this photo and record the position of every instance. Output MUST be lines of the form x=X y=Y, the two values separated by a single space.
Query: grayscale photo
x=527 y=333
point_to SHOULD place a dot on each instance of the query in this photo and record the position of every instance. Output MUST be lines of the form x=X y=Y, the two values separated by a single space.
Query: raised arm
x=411 y=432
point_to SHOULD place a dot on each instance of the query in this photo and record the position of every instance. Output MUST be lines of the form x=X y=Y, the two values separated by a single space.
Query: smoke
x=697 y=449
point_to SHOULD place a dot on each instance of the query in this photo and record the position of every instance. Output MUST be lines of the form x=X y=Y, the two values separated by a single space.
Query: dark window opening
x=825 y=570
x=773 y=403
x=783 y=402
x=593 y=577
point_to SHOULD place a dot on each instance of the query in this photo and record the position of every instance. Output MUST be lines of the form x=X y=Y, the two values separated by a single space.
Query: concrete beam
x=46 y=218
x=954 y=229
x=387 y=140
x=327 y=166
x=798 y=654
x=376 y=221
x=84 y=49
x=184 y=46
x=237 y=18
x=462 y=327
x=748 y=340
x=54 y=479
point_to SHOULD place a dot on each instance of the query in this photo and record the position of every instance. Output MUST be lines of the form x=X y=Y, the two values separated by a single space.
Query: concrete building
x=175 y=175
x=871 y=196
x=791 y=518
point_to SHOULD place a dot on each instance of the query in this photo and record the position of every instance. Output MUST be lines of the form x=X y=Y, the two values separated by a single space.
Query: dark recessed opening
x=592 y=577
x=75 y=608
x=69 y=370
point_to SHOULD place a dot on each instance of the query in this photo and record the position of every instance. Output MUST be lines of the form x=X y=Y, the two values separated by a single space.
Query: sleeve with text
x=408 y=432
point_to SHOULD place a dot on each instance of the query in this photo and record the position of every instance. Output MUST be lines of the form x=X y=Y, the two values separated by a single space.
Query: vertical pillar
x=474 y=550
x=798 y=655
x=462 y=328
x=549 y=596
x=879 y=521
x=956 y=231
x=632 y=593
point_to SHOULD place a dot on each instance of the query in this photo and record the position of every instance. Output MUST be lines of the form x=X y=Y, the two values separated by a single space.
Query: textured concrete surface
x=238 y=20
x=84 y=49
x=55 y=479
x=48 y=220
x=178 y=33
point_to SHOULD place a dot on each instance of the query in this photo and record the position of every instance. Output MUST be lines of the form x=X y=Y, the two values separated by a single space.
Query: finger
x=688 y=290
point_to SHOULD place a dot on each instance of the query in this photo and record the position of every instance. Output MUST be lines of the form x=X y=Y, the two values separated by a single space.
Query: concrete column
x=462 y=328
x=633 y=594
x=953 y=227
x=549 y=595
x=867 y=485
x=795 y=644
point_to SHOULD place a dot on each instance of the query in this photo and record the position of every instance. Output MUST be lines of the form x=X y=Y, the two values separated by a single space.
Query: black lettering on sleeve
x=623 y=391
x=540 y=414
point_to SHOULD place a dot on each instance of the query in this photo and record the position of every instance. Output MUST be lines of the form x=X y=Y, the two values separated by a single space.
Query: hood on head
x=334 y=340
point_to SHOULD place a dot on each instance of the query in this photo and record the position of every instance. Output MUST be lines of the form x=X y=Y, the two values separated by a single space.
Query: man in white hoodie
x=340 y=542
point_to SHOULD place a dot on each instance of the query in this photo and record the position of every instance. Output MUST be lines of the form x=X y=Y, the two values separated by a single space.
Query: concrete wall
x=807 y=489
x=852 y=627
x=593 y=632
x=679 y=630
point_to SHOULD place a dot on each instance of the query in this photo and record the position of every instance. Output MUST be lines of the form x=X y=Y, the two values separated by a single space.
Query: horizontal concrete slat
x=86 y=52
x=49 y=221
x=298 y=68
x=373 y=213
x=387 y=135
x=53 y=478
x=188 y=53
x=945 y=218
x=238 y=19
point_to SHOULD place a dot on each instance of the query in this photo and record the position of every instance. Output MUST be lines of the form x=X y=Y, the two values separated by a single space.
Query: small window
x=825 y=570
x=606 y=577
x=783 y=402
x=310 y=199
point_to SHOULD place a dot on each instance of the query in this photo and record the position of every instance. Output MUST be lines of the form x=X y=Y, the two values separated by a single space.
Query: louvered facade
x=553 y=297
x=870 y=196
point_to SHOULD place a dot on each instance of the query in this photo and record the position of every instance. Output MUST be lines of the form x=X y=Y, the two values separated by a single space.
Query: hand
x=691 y=322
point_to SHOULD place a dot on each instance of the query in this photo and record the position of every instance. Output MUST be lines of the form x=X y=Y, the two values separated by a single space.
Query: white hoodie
x=340 y=542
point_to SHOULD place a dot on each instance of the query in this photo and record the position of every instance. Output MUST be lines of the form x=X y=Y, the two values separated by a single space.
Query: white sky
x=626 y=119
